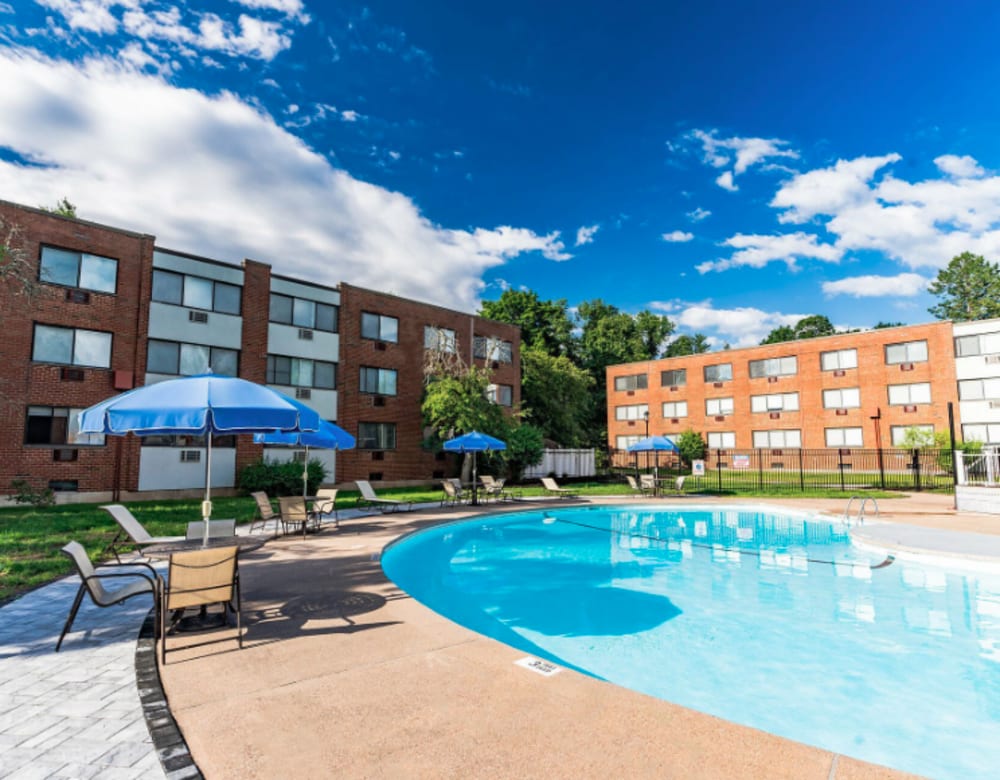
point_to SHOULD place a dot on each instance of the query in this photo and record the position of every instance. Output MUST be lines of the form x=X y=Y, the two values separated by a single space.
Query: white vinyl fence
x=564 y=463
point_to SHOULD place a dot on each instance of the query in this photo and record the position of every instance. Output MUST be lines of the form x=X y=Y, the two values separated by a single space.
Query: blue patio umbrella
x=474 y=442
x=200 y=405
x=328 y=437
x=653 y=444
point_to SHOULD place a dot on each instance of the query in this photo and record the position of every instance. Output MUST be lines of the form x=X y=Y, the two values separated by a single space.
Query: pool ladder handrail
x=861 y=511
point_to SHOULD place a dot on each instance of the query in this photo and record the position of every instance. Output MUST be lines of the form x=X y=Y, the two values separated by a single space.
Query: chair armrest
x=155 y=581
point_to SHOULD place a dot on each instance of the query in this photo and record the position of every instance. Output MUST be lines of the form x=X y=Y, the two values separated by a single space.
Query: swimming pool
x=767 y=618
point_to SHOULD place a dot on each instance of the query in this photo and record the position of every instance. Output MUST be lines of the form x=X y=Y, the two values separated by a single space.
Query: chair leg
x=163 y=630
x=239 y=612
x=72 y=616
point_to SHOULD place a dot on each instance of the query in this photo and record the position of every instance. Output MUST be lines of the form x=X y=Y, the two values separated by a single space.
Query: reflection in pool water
x=768 y=619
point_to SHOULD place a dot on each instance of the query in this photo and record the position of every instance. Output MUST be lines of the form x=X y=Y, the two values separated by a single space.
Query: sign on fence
x=698 y=468
x=741 y=461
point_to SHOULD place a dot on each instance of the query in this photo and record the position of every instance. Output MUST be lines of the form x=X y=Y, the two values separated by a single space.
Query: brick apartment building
x=114 y=311
x=852 y=390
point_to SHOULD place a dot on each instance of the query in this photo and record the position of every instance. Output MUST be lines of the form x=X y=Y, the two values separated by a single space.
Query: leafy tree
x=880 y=324
x=780 y=334
x=63 y=208
x=16 y=272
x=814 y=326
x=525 y=448
x=917 y=439
x=968 y=289
x=544 y=324
x=557 y=396
x=456 y=403
x=687 y=345
x=691 y=446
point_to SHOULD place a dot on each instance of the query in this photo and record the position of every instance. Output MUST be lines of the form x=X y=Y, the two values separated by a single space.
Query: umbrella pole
x=305 y=474
x=475 y=481
x=206 y=505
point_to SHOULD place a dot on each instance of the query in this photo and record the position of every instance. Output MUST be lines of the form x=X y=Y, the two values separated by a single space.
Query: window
x=376 y=436
x=775 y=402
x=675 y=409
x=302 y=313
x=379 y=327
x=910 y=394
x=988 y=433
x=906 y=352
x=674 y=378
x=980 y=344
x=631 y=382
x=722 y=372
x=501 y=394
x=777 y=439
x=722 y=441
x=624 y=442
x=171 y=357
x=838 y=359
x=301 y=372
x=785 y=366
x=439 y=339
x=844 y=437
x=71 y=346
x=78 y=269
x=921 y=435
x=634 y=412
x=195 y=292
x=57 y=425
x=188 y=441
x=381 y=381
x=845 y=398
x=493 y=349
x=716 y=406
x=979 y=389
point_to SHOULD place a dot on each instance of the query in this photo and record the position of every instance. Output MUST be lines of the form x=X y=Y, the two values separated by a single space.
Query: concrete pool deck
x=342 y=674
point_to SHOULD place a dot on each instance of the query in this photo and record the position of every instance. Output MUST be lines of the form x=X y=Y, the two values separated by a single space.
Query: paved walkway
x=78 y=713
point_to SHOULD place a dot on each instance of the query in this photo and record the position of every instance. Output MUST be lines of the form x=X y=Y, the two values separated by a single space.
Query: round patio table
x=246 y=543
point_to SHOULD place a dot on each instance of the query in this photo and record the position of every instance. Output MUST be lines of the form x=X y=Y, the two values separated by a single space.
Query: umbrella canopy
x=653 y=444
x=201 y=406
x=474 y=442
x=328 y=437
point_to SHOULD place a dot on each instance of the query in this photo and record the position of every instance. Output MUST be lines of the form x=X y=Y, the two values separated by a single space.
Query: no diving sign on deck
x=538 y=665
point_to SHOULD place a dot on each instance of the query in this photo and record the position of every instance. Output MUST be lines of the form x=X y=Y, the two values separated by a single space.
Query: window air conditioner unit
x=303 y=392
x=775 y=415
x=190 y=456
x=305 y=334
x=841 y=412
x=77 y=296
x=716 y=384
x=380 y=345
x=673 y=388
x=496 y=364
x=994 y=404
x=71 y=374
x=720 y=418
x=675 y=420
x=910 y=408
x=840 y=372
x=906 y=366
x=198 y=316
x=630 y=392
x=64 y=455
x=378 y=455
x=378 y=400
x=993 y=358
x=772 y=379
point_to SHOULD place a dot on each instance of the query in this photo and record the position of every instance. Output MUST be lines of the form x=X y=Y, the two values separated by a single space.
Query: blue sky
x=733 y=165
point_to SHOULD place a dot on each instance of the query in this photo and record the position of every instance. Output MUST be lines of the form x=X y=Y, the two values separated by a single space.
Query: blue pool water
x=768 y=619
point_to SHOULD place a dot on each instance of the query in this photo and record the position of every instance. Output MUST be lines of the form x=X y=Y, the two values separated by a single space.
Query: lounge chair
x=132 y=583
x=199 y=578
x=325 y=504
x=638 y=487
x=295 y=514
x=648 y=484
x=453 y=495
x=679 y=485
x=265 y=513
x=216 y=528
x=494 y=488
x=368 y=498
x=131 y=532
x=553 y=489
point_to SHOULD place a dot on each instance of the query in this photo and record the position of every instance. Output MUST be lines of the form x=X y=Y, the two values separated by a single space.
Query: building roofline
x=297 y=280
x=45 y=213
x=199 y=258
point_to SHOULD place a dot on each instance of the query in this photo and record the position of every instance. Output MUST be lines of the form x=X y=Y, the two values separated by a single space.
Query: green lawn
x=30 y=538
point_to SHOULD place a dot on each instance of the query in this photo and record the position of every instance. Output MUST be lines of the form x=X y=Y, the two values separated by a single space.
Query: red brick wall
x=24 y=383
x=872 y=376
x=253 y=350
x=409 y=461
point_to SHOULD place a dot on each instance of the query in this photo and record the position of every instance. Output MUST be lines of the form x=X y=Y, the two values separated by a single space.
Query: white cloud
x=871 y=286
x=739 y=327
x=585 y=234
x=349 y=116
x=6 y=8
x=677 y=236
x=828 y=190
x=699 y=214
x=218 y=177
x=756 y=251
x=963 y=167
x=290 y=8
x=87 y=15
x=725 y=180
x=740 y=153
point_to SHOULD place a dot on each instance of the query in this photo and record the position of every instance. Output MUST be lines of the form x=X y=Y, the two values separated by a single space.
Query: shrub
x=691 y=446
x=24 y=493
x=281 y=478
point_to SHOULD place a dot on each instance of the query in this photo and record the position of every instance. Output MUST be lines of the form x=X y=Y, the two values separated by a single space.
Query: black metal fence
x=797 y=469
